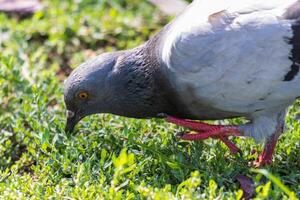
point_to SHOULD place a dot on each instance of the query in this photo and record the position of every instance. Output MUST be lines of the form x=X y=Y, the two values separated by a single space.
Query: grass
x=109 y=157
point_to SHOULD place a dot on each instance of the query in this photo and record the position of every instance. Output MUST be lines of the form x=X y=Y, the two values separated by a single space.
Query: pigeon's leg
x=211 y=130
x=208 y=131
x=265 y=158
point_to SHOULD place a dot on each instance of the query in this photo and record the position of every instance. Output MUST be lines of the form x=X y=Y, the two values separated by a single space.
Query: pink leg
x=212 y=130
x=206 y=131
x=265 y=158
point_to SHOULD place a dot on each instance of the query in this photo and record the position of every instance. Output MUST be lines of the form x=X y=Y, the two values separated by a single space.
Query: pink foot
x=263 y=160
x=207 y=131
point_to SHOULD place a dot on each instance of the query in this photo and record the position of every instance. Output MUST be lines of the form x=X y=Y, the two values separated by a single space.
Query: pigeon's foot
x=265 y=158
x=206 y=131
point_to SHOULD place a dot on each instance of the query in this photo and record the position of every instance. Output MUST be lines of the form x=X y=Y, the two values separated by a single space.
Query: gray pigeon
x=216 y=60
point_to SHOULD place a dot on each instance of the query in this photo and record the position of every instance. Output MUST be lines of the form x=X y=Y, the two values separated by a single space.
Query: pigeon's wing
x=232 y=53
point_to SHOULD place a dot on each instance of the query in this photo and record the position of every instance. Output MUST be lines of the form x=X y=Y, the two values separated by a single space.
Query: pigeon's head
x=86 y=91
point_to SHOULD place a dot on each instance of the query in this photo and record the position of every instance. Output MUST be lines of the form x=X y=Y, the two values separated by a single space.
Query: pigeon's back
x=234 y=58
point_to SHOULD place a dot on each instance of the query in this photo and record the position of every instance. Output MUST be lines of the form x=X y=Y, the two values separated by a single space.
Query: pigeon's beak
x=72 y=120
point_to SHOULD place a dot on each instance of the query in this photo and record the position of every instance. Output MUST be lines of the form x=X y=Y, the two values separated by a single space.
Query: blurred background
x=61 y=34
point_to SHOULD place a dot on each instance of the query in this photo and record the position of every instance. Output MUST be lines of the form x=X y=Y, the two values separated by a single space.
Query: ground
x=110 y=157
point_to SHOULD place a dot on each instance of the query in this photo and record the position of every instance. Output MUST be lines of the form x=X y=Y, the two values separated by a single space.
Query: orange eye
x=83 y=95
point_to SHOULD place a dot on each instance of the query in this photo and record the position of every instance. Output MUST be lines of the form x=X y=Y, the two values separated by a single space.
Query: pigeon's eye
x=83 y=95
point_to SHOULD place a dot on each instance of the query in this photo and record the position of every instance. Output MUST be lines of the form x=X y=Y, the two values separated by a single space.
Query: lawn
x=110 y=157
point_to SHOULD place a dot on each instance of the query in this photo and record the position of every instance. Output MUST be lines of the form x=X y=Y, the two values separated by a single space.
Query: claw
x=200 y=136
x=263 y=160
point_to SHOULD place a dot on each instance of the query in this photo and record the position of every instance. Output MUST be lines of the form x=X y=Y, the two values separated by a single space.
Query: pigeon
x=216 y=60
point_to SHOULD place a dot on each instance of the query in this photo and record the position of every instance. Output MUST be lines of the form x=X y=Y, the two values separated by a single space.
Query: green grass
x=109 y=157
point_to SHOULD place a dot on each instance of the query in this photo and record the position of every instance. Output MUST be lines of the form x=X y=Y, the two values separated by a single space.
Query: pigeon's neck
x=142 y=91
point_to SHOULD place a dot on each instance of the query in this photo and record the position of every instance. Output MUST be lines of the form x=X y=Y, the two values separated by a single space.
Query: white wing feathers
x=229 y=49
x=206 y=30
